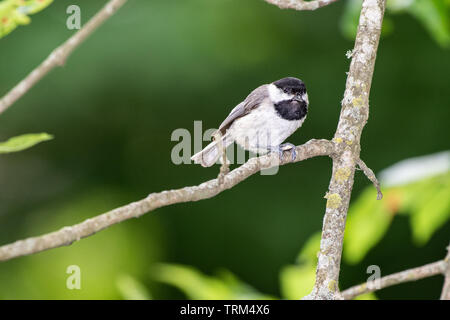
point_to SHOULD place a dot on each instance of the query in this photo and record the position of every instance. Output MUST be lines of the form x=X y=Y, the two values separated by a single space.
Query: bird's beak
x=302 y=99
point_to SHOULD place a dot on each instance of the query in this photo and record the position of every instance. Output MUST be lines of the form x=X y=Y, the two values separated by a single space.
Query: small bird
x=267 y=117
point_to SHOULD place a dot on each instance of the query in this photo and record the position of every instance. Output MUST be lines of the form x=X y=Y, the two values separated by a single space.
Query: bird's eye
x=285 y=90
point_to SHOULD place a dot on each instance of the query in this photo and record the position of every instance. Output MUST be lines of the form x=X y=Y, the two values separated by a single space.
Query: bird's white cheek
x=305 y=98
x=276 y=95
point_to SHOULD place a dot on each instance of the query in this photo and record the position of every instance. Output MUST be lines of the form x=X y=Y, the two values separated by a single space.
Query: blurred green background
x=159 y=65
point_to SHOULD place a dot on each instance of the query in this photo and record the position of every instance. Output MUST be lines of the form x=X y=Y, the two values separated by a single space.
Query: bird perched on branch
x=267 y=117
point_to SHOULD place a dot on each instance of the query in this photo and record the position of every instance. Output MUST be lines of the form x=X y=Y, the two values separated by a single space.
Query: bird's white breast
x=262 y=128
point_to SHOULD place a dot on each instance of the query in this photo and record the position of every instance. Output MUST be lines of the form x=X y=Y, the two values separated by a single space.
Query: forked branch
x=354 y=115
x=68 y=235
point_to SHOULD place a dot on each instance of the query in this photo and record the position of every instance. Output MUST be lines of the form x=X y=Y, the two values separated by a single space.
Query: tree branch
x=300 y=4
x=371 y=176
x=414 y=274
x=60 y=54
x=68 y=235
x=353 y=117
x=445 y=295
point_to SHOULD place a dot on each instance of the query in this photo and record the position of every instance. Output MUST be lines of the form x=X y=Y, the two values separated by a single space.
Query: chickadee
x=270 y=114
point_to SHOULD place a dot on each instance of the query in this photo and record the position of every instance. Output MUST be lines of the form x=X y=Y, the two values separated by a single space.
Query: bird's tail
x=211 y=153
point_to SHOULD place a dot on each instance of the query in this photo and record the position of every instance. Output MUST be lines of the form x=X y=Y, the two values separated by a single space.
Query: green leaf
x=434 y=15
x=241 y=290
x=192 y=282
x=433 y=213
x=23 y=142
x=132 y=289
x=367 y=222
x=32 y=6
x=198 y=286
x=297 y=281
x=15 y=12
x=310 y=249
x=367 y=296
x=414 y=195
x=427 y=202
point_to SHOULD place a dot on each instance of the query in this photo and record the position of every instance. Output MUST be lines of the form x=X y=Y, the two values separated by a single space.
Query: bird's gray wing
x=254 y=99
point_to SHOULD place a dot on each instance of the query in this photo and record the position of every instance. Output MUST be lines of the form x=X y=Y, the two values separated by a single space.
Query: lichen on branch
x=353 y=117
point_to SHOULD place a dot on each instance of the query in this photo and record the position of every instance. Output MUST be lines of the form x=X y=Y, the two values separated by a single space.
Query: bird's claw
x=287 y=146
x=283 y=147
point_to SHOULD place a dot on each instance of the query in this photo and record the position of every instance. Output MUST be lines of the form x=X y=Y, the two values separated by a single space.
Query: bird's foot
x=284 y=147
x=290 y=146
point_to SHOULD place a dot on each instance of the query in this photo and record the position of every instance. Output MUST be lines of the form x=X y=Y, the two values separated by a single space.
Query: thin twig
x=300 y=4
x=68 y=235
x=371 y=176
x=396 y=278
x=445 y=295
x=60 y=54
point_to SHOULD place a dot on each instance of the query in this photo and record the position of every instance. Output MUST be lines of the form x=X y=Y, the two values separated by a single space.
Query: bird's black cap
x=291 y=84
